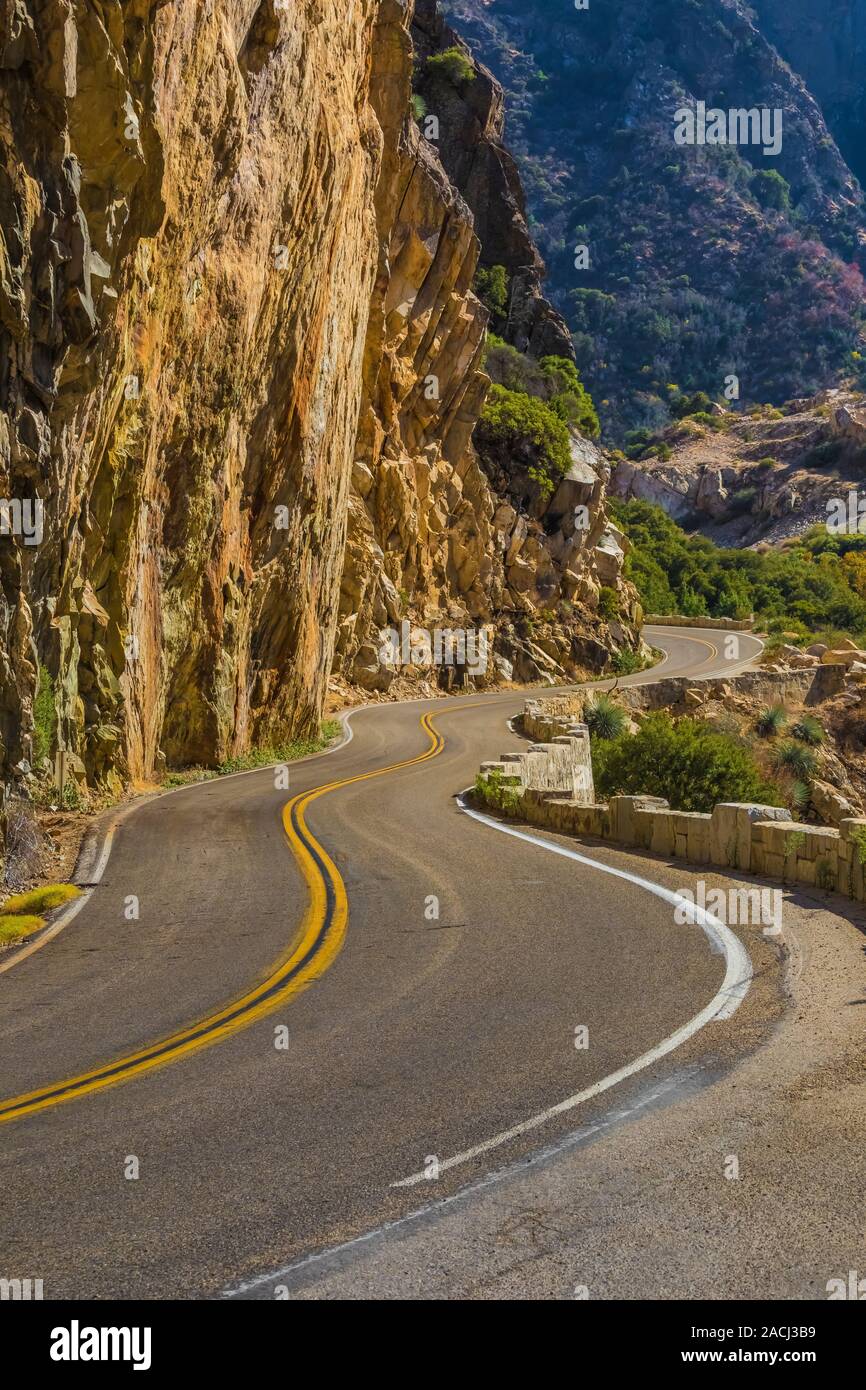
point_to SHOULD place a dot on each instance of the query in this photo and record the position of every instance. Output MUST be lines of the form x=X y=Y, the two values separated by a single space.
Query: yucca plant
x=605 y=718
x=771 y=721
x=808 y=730
x=796 y=758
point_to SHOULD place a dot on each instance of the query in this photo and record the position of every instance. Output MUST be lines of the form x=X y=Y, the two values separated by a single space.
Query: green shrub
x=419 y=107
x=44 y=717
x=798 y=795
x=604 y=717
x=626 y=662
x=452 y=64
x=743 y=499
x=527 y=429
x=808 y=585
x=688 y=763
x=554 y=380
x=493 y=790
x=797 y=759
x=808 y=730
x=568 y=396
x=491 y=286
x=771 y=190
x=690 y=405
x=771 y=721
x=608 y=602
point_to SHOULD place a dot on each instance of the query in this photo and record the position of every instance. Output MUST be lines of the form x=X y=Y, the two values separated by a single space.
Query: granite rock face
x=240 y=373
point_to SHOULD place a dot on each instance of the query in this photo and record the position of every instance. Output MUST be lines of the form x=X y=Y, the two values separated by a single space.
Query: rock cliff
x=240 y=373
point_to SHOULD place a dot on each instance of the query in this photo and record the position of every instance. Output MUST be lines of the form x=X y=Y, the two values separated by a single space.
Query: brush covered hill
x=704 y=262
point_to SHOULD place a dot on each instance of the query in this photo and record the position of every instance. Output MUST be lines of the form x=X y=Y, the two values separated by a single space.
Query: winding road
x=326 y=991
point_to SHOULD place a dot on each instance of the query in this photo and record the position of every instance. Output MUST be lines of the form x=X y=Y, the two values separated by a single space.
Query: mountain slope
x=700 y=265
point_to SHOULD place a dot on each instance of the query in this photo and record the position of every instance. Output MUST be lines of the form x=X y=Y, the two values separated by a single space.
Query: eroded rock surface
x=230 y=270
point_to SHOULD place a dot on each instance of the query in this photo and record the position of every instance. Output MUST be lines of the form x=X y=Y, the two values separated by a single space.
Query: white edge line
x=735 y=986
x=725 y=1002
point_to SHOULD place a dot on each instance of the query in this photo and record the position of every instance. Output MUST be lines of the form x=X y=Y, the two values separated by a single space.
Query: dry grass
x=14 y=926
x=43 y=899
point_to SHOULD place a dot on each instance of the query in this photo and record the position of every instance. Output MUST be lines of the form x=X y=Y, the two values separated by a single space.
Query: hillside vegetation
x=814 y=585
x=701 y=260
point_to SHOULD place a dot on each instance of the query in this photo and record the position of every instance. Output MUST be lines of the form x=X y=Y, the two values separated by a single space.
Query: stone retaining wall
x=720 y=624
x=559 y=761
x=551 y=785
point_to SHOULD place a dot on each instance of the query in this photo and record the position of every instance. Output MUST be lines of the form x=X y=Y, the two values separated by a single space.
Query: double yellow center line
x=318 y=943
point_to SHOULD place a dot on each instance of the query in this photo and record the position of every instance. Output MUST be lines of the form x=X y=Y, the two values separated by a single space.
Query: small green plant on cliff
x=770 y=721
x=797 y=759
x=44 y=717
x=527 y=428
x=688 y=763
x=554 y=380
x=808 y=730
x=453 y=65
x=567 y=396
x=604 y=717
x=608 y=603
x=491 y=286
x=419 y=106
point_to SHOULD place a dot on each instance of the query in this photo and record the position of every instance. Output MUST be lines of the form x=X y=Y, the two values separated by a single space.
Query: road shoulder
x=642 y=1204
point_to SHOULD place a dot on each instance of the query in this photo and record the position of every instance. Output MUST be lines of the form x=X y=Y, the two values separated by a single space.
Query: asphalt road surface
x=195 y=1099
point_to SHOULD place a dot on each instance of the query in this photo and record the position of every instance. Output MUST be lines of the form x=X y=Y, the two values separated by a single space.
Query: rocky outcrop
x=190 y=252
x=430 y=541
x=240 y=373
x=471 y=120
x=763 y=476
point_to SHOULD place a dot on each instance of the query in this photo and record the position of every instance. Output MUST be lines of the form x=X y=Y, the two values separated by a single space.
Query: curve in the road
x=321 y=936
x=725 y=1002
x=315 y=947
